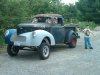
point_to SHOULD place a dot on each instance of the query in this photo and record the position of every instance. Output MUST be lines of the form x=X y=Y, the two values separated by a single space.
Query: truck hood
x=29 y=27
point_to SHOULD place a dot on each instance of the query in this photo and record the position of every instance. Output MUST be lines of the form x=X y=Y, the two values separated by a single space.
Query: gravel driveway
x=62 y=61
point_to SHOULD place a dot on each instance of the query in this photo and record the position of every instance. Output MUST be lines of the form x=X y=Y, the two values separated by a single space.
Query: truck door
x=58 y=32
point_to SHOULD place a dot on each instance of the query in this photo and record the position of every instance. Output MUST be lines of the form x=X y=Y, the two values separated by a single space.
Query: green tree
x=89 y=10
x=13 y=12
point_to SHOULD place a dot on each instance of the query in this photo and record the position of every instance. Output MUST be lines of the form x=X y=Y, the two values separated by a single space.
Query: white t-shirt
x=87 y=32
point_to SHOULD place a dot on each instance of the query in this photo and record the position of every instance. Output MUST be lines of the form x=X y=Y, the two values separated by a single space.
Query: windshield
x=48 y=20
x=41 y=20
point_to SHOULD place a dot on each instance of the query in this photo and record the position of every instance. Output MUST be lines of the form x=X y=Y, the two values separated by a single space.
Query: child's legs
x=85 y=42
x=89 y=42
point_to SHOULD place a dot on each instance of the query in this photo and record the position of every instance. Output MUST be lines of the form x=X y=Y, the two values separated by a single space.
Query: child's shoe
x=91 y=47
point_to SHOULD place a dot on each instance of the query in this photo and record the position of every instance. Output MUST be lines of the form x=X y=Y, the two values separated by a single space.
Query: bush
x=2 y=43
x=91 y=24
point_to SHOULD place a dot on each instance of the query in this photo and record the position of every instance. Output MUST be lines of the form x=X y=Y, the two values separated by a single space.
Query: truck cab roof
x=48 y=18
x=49 y=15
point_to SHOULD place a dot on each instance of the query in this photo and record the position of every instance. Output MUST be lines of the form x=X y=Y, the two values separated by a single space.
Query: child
x=87 y=37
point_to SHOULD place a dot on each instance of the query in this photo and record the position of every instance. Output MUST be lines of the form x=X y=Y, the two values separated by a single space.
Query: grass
x=2 y=43
x=81 y=24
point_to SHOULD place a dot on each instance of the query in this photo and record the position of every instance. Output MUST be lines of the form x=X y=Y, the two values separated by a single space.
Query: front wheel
x=73 y=41
x=12 y=50
x=44 y=51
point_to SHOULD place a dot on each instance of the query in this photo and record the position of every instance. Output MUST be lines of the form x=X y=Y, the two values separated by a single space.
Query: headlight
x=7 y=33
x=33 y=34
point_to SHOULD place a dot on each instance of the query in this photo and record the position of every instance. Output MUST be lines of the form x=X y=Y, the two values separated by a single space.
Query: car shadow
x=33 y=55
x=60 y=48
x=27 y=55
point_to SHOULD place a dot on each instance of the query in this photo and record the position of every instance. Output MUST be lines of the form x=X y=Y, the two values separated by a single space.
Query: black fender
x=68 y=36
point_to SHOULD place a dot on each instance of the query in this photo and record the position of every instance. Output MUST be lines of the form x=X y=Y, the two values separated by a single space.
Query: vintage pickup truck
x=44 y=31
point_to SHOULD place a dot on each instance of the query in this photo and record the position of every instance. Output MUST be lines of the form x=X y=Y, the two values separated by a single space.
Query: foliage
x=84 y=23
x=89 y=10
x=13 y=12
x=1 y=41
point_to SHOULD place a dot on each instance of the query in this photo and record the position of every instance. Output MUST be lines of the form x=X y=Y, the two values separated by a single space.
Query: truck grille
x=21 y=30
x=19 y=38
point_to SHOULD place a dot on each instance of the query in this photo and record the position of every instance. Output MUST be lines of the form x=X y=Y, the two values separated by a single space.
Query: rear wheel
x=12 y=50
x=73 y=41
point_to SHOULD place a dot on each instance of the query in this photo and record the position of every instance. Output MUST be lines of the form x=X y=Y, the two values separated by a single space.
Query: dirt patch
x=2 y=49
